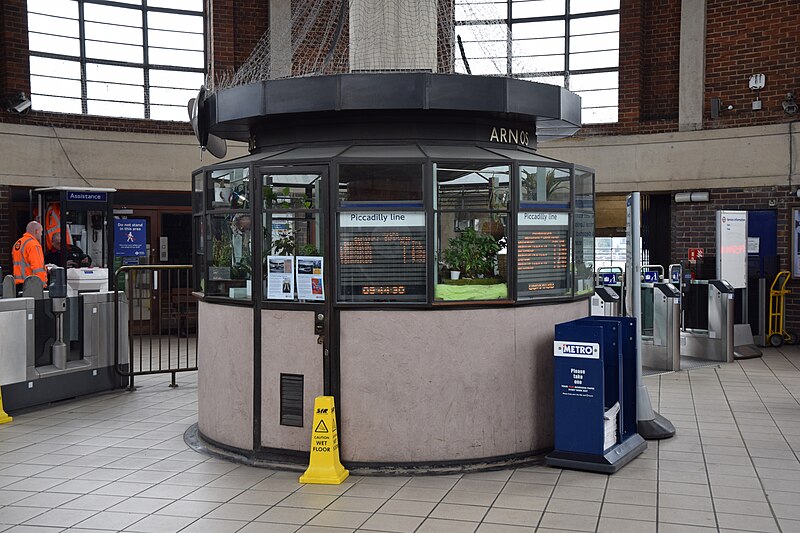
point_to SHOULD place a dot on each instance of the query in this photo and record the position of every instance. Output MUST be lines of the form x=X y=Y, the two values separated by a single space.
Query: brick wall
x=742 y=38
x=694 y=226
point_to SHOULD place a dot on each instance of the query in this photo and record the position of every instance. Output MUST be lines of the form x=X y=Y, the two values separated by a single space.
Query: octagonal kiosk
x=389 y=241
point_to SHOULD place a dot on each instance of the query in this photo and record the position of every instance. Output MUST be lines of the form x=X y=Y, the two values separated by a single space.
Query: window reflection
x=544 y=185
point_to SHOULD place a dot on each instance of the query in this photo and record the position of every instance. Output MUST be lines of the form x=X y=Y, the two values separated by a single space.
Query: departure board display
x=382 y=256
x=542 y=254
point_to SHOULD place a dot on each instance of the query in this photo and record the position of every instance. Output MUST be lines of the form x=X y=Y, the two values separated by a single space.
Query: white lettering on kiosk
x=361 y=219
x=543 y=219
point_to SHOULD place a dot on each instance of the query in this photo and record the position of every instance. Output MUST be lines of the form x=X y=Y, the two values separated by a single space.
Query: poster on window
x=309 y=277
x=280 y=278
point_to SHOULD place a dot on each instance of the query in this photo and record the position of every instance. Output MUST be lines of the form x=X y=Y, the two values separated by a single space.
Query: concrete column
x=692 y=65
x=280 y=38
x=392 y=35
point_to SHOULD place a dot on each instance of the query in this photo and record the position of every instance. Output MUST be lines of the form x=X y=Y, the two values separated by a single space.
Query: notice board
x=732 y=247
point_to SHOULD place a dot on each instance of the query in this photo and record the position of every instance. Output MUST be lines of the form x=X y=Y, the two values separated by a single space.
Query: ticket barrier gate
x=661 y=343
x=614 y=279
x=605 y=302
x=54 y=346
x=707 y=331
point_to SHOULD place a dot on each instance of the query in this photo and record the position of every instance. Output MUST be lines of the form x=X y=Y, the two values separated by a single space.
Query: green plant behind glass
x=472 y=253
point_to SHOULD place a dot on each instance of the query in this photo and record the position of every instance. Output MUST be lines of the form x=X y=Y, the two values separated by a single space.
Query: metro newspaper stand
x=594 y=368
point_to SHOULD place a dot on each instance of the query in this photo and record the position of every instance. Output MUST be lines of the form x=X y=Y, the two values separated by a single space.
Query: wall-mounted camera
x=790 y=104
x=19 y=103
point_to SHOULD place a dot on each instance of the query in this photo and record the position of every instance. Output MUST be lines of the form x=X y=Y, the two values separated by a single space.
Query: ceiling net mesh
x=322 y=37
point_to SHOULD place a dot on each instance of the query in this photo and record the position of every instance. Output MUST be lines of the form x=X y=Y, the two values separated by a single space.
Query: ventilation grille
x=292 y=400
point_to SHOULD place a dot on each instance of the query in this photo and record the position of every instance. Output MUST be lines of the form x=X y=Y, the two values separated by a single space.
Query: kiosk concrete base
x=611 y=461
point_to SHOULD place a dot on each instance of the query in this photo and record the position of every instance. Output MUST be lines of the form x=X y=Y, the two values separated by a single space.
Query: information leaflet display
x=280 y=279
x=542 y=254
x=382 y=256
x=310 y=284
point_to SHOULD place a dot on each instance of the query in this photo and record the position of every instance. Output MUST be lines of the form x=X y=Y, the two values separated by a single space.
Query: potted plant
x=472 y=254
x=221 y=254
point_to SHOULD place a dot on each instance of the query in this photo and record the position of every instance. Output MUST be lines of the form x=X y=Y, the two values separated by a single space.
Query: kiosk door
x=295 y=296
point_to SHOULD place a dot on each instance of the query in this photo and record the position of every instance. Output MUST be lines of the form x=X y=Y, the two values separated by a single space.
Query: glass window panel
x=588 y=25
x=589 y=43
x=129 y=75
x=112 y=15
x=53 y=25
x=96 y=31
x=543 y=254
x=472 y=256
x=115 y=92
x=599 y=115
x=229 y=188
x=550 y=80
x=116 y=52
x=483 y=32
x=178 y=58
x=180 y=80
x=185 y=5
x=380 y=185
x=537 y=8
x=57 y=8
x=55 y=86
x=544 y=185
x=591 y=6
x=171 y=21
x=382 y=256
x=463 y=187
x=67 y=46
x=584 y=252
x=175 y=39
x=594 y=60
x=56 y=103
x=466 y=11
x=293 y=262
x=538 y=64
x=292 y=191
x=171 y=96
x=60 y=68
x=171 y=113
x=609 y=97
x=229 y=256
x=601 y=80
x=487 y=66
x=537 y=30
x=584 y=189
x=533 y=47
x=115 y=109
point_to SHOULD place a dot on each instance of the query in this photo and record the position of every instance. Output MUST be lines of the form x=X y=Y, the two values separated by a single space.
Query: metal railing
x=161 y=321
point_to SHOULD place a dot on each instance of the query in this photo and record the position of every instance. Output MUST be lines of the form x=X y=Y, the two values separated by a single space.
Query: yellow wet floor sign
x=3 y=415
x=324 y=466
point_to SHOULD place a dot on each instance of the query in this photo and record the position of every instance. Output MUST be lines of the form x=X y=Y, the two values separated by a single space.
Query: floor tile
x=392 y=523
x=438 y=525
x=518 y=517
x=342 y=519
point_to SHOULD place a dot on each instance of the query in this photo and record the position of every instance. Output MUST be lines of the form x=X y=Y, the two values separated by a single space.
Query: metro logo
x=583 y=350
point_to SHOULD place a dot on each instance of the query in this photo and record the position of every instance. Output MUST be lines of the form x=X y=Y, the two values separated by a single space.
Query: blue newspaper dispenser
x=594 y=369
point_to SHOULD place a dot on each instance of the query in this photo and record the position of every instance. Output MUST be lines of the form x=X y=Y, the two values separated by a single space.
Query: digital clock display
x=388 y=289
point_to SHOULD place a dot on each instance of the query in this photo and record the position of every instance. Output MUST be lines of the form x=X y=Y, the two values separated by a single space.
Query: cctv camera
x=22 y=106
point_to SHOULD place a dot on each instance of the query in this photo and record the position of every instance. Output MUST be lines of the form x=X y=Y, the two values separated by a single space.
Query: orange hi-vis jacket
x=52 y=225
x=28 y=259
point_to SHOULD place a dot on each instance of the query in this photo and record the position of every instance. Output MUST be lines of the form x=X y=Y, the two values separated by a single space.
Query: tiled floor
x=118 y=462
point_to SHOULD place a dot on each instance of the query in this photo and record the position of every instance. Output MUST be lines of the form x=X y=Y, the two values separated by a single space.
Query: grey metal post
x=650 y=424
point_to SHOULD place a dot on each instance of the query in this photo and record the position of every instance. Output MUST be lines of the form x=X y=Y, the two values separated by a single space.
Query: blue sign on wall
x=130 y=237
x=81 y=196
